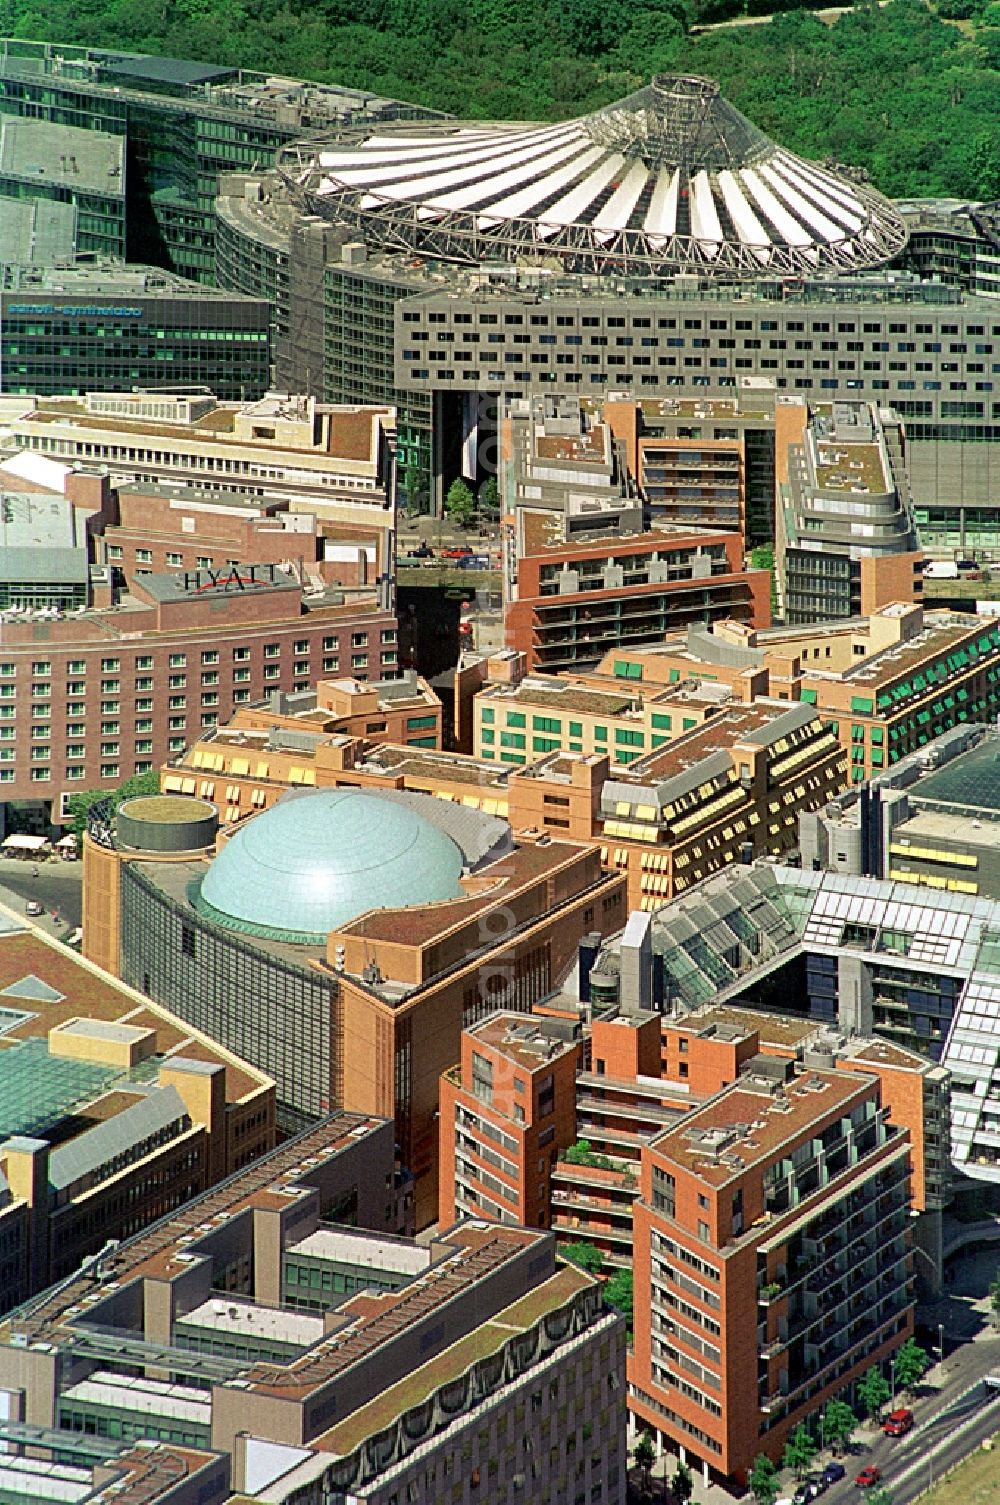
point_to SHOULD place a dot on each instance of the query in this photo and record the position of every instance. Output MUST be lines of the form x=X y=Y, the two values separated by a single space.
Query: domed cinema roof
x=671 y=179
x=317 y=859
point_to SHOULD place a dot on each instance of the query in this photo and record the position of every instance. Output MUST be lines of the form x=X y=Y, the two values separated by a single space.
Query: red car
x=868 y=1476
x=460 y=551
x=898 y=1423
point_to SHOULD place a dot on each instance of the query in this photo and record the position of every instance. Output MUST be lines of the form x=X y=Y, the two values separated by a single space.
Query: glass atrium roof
x=971 y=780
x=737 y=926
x=38 y=1090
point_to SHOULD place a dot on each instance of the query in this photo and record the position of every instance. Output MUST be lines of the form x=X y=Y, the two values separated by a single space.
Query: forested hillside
x=910 y=96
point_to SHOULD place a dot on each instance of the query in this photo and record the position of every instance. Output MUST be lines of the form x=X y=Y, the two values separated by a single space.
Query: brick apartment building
x=527 y=1090
x=88 y=699
x=577 y=599
x=404 y=711
x=759 y=1182
x=771 y=1233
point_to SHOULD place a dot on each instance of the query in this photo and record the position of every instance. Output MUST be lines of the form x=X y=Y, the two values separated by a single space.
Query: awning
x=19 y=843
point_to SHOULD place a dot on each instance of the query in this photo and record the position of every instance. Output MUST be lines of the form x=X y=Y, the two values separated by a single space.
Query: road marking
x=921 y=1463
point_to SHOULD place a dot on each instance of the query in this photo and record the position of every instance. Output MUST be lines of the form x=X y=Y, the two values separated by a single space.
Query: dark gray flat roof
x=168 y=70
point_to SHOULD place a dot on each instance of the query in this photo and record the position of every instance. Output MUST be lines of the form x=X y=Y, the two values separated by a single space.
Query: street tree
x=879 y=1496
x=874 y=1391
x=910 y=1365
x=800 y=1450
x=763 y=1480
x=489 y=498
x=412 y=489
x=644 y=1454
x=839 y=1422
x=460 y=504
x=682 y=1484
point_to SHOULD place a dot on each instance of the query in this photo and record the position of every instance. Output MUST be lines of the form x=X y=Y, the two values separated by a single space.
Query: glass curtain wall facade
x=269 y=1010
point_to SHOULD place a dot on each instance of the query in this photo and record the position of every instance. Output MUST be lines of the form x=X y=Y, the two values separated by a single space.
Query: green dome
x=319 y=858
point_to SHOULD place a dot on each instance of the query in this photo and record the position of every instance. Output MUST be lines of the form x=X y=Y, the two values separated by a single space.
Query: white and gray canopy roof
x=671 y=179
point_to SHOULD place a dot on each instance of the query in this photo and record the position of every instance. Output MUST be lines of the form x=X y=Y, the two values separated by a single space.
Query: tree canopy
x=873 y=1392
x=910 y=1364
x=763 y=1480
x=587 y=1256
x=460 y=504
x=839 y=1422
x=800 y=1450
x=906 y=92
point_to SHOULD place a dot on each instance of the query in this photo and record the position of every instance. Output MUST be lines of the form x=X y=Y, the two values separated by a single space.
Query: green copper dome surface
x=316 y=860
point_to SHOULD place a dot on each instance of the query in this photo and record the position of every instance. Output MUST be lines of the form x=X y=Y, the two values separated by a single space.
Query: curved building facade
x=671 y=179
x=331 y=943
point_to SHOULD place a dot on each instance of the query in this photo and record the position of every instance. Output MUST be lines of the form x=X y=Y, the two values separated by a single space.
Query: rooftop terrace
x=740 y=1128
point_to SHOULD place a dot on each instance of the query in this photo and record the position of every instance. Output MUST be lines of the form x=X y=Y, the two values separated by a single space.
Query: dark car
x=422 y=551
x=833 y=1473
x=807 y=1490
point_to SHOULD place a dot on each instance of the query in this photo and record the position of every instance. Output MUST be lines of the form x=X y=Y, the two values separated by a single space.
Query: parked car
x=421 y=551
x=457 y=551
x=806 y=1492
x=833 y=1473
x=868 y=1476
x=898 y=1423
x=33 y=908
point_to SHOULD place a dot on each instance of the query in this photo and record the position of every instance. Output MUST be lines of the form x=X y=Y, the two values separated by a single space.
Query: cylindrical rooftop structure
x=166 y=823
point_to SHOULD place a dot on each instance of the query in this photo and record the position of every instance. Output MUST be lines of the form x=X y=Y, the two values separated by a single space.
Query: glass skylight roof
x=38 y=1090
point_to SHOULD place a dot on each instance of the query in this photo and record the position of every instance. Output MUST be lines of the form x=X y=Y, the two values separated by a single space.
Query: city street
x=59 y=887
x=953 y=1410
